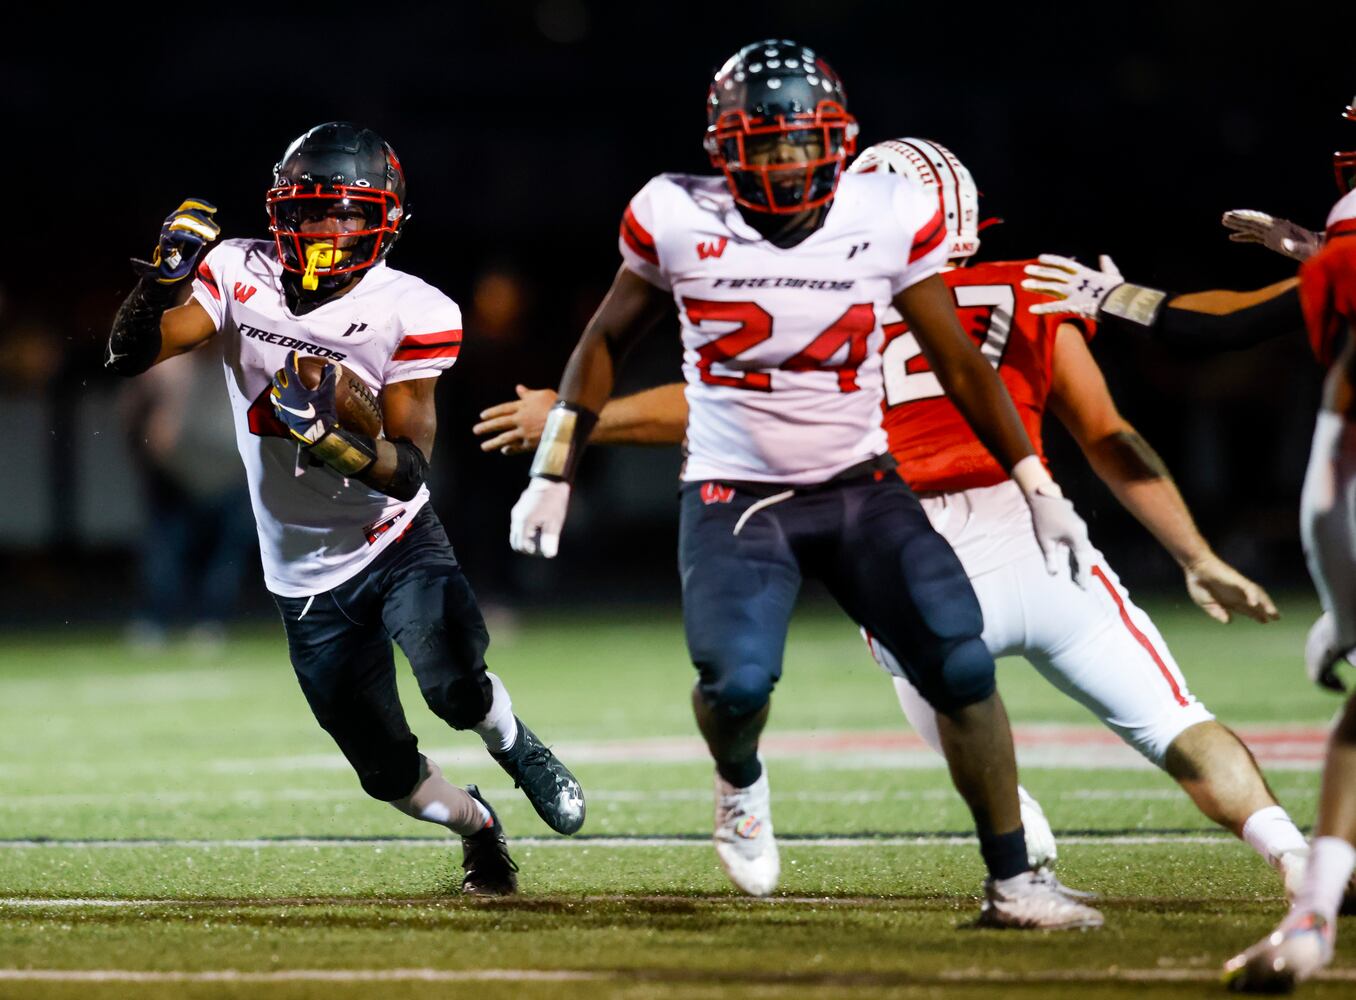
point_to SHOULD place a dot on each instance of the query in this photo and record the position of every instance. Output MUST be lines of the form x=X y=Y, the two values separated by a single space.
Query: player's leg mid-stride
x=351 y=549
x=787 y=471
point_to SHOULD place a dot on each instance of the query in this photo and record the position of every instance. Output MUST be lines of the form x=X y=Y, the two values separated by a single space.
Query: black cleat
x=485 y=856
x=548 y=784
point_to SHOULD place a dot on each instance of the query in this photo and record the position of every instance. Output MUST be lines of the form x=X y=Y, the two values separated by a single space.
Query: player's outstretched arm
x=1282 y=236
x=1193 y=323
x=1141 y=482
x=652 y=417
x=973 y=385
x=155 y=322
x=631 y=308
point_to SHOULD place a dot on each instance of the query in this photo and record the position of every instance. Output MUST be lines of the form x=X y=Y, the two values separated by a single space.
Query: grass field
x=175 y=826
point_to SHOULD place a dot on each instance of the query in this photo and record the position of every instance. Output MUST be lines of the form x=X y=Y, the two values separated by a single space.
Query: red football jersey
x=1328 y=294
x=936 y=449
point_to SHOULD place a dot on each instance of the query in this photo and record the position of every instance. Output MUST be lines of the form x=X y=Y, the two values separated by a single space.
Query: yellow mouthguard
x=319 y=255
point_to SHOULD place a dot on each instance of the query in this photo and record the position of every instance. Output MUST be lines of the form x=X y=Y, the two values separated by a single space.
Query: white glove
x=1323 y=653
x=1280 y=235
x=538 y=516
x=1080 y=290
x=1058 y=527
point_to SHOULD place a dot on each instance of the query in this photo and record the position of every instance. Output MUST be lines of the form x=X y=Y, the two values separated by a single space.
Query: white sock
x=436 y=800
x=1271 y=833
x=499 y=729
x=1331 y=861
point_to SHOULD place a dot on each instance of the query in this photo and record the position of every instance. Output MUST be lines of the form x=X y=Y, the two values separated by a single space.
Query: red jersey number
x=907 y=377
x=853 y=329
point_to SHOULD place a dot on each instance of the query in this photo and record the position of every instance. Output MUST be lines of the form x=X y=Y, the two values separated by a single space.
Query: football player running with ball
x=781 y=271
x=352 y=551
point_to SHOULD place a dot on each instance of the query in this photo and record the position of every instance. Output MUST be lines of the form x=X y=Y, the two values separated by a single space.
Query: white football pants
x=1095 y=645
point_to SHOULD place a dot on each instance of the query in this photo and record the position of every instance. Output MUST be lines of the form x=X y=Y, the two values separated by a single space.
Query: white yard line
x=657 y=977
x=584 y=843
x=299 y=975
x=15 y=803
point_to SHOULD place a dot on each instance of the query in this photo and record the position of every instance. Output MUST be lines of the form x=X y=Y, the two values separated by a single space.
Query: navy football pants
x=340 y=646
x=869 y=541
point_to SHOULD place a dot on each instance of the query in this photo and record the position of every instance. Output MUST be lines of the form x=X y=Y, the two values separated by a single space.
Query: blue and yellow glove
x=184 y=235
x=311 y=417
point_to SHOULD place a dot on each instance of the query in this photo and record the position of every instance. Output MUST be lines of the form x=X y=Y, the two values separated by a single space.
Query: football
x=358 y=407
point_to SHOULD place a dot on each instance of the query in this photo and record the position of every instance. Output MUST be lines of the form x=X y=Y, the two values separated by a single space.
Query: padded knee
x=391 y=774
x=462 y=702
x=739 y=691
x=965 y=677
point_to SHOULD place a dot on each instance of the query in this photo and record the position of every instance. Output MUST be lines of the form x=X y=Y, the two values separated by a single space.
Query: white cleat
x=1040 y=839
x=744 y=842
x=1290 y=954
x=1032 y=901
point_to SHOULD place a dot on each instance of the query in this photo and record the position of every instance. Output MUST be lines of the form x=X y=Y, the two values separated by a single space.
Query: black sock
x=743 y=773
x=1004 y=853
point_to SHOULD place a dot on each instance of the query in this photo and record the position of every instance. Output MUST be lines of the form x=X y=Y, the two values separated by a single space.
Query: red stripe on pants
x=1140 y=637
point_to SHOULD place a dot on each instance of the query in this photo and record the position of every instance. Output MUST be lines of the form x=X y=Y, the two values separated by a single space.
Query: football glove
x=538 y=517
x=1219 y=589
x=1058 y=527
x=1079 y=290
x=183 y=236
x=1279 y=235
x=311 y=417
x=1324 y=653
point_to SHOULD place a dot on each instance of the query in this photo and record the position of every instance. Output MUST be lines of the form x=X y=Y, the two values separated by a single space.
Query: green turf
x=99 y=744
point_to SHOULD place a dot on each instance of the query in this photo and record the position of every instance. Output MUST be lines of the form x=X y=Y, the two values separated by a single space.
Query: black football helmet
x=333 y=168
x=1344 y=162
x=779 y=90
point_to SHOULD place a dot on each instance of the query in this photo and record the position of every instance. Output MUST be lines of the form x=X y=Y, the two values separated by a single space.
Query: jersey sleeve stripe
x=440 y=339
x=1342 y=227
x=209 y=280
x=637 y=238
x=928 y=238
x=447 y=350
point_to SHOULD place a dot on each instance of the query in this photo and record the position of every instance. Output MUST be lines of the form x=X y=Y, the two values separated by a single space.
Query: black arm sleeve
x=1196 y=333
x=411 y=468
x=135 y=339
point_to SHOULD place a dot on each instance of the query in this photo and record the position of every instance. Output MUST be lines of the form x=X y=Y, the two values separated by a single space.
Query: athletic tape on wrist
x=1137 y=304
x=562 y=441
x=1031 y=476
x=346 y=452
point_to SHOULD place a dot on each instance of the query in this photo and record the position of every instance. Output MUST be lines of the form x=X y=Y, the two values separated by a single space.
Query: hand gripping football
x=356 y=404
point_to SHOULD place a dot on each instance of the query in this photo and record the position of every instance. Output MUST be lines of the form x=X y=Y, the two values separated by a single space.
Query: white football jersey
x=317 y=528
x=781 y=347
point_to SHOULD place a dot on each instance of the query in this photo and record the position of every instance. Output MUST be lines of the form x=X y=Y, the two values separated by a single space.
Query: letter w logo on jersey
x=716 y=493
x=714 y=249
x=244 y=291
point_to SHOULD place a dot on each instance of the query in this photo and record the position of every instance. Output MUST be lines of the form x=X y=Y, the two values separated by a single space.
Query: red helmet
x=779 y=91
x=1344 y=163
x=332 y=167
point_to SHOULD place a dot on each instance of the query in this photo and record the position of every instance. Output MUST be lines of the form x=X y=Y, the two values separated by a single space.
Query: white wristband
x=1030 y=475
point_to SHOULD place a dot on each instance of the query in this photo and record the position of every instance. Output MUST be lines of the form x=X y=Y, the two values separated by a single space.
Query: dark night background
x=524 y=128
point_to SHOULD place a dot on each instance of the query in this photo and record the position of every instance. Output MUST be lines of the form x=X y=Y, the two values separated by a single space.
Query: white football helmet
x=934 y=167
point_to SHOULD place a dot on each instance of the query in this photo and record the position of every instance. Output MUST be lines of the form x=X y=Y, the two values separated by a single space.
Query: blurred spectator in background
x=198 y=540
x=498 y=347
